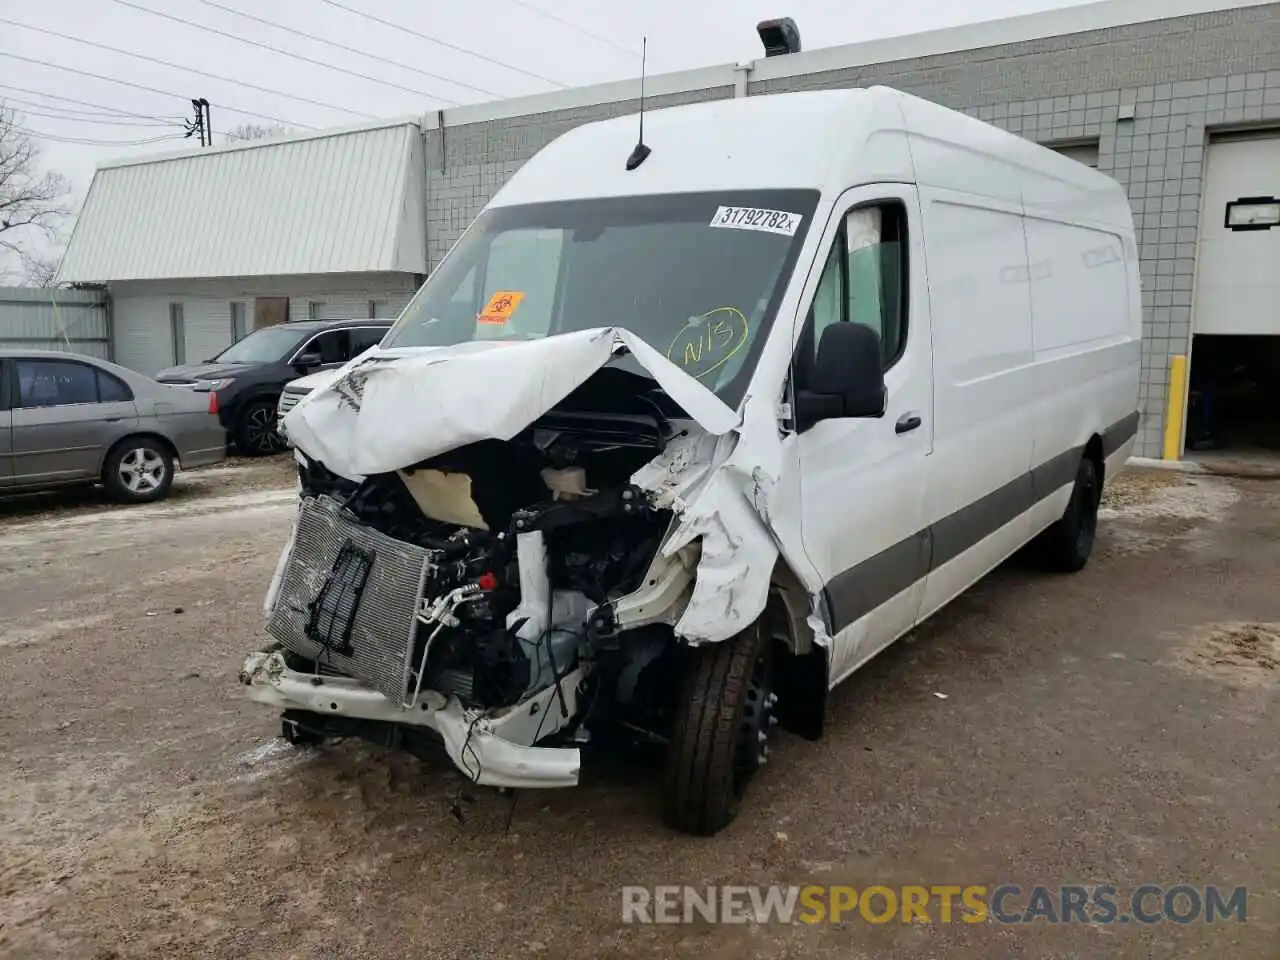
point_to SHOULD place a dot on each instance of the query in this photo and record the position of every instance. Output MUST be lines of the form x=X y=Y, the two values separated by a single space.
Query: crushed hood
x=384 y=413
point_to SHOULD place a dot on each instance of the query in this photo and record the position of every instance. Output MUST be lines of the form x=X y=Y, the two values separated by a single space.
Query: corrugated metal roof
x=346 y=201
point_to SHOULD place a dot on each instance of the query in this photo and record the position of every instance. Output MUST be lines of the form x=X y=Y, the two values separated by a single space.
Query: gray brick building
x=1136 y=89
x=1177 y=99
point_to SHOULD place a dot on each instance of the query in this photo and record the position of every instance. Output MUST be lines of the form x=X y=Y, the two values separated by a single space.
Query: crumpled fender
x=720 y=489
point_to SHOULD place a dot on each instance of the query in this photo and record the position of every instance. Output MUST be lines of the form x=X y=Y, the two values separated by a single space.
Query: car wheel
x=1067 y=545
x=138 y=470
x=256 y=430
x=723 y=721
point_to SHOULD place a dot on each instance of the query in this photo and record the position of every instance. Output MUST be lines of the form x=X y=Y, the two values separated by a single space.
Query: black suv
x=245 y=380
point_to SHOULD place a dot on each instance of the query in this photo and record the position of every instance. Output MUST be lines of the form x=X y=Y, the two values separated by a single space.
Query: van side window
x=830 y=298
x=863 y=281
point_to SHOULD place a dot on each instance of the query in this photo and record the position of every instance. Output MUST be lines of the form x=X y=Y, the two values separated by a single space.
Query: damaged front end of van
x=513 y=549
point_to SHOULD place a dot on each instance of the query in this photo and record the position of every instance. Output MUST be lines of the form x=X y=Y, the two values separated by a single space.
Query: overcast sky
x=528 y=52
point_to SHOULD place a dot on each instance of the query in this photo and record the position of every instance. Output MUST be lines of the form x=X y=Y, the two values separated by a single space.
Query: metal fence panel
x=74 y=321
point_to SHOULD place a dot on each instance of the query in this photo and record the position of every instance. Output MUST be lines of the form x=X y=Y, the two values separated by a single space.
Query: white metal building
x=200 y=248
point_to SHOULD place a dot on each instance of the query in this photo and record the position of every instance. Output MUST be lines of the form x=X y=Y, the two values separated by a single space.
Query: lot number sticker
x=754 y=218
x=500 y=307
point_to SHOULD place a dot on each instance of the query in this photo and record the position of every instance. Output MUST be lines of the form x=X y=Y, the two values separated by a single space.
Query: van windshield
x=697 y=276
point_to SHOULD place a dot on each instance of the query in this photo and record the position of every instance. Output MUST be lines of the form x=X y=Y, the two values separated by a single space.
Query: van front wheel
x=723 y=721
x=1067 y=545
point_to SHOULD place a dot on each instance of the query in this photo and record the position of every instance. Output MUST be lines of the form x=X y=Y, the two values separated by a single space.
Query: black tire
x=1067 y=545
x=138 y=470
x=256 y=430
x=725 y=704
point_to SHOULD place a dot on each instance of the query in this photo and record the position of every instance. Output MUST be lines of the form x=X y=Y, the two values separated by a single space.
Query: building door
x=1234 y=383
x=268 y=311
x=1086 y=153
x=1237 y=283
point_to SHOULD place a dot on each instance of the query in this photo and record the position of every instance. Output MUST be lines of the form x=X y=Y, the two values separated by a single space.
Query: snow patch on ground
x=1238 y=653
x=1144 y=510
x=146 y=518
x=16 y=635
x=1197 y=498
x=267 y=759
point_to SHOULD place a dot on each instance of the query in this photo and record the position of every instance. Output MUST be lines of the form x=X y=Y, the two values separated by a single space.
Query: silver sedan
x=68 y=419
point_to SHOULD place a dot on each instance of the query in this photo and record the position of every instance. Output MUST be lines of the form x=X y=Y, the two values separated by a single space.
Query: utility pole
x=197 y=125
x=201 y=124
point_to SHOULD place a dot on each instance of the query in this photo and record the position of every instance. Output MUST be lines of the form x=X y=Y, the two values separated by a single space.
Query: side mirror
x=847 y=378
x=308 y=361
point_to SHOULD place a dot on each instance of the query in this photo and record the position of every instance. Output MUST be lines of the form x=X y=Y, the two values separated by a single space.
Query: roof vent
x=779 y=36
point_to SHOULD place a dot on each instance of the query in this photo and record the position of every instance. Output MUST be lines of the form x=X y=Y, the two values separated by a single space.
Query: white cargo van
x=680 y=435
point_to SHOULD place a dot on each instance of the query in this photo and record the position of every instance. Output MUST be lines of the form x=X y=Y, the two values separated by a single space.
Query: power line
x=84 y=103
x=178 y=66
x=343 y=46
x=139 y=86
x=443 y=43
x=574 y=26
x=286 y=53
x=115 y=122
x=101 y=143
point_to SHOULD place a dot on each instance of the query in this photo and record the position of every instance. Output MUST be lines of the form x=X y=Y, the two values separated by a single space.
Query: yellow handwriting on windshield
x=708 y=341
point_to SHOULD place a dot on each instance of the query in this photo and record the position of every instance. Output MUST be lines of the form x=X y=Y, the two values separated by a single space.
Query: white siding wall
x=141 y=334
x=141 y=309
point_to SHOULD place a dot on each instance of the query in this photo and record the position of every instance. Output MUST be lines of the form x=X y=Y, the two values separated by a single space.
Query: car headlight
x=214 y=384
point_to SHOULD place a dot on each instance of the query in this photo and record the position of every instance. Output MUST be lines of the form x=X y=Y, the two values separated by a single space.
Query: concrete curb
x=1179 y=466
x=1242 y=471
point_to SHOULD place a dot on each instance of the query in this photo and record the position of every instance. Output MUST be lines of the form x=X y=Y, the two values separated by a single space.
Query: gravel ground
x=1115 y=726
x=235 y=475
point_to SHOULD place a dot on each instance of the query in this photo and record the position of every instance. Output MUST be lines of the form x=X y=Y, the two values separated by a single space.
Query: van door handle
x=906 y=423
x=112 y=419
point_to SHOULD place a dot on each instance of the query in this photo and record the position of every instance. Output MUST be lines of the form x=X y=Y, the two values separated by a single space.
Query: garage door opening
x=1233 y=401
x=1234 y=396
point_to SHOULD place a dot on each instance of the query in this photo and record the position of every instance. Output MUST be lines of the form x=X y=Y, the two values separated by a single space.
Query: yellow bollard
x=1175 y=407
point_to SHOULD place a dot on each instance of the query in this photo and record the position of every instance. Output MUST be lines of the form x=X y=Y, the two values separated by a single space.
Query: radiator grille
x=374 y=644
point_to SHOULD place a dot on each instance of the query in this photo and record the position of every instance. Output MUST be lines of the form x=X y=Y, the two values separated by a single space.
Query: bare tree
x=33 y=202
x=40 y=271
x=257 y=131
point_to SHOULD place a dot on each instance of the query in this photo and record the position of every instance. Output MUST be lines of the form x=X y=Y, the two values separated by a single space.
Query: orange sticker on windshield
x=500 y=307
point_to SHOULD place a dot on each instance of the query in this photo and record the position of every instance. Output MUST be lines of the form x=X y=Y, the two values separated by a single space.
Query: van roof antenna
x=641 y=151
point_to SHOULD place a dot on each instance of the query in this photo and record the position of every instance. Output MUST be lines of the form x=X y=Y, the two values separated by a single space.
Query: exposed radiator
x=349 y=596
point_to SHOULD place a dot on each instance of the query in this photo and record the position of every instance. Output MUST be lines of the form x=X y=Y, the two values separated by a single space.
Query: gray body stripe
x=857 y=591
x=1114 y=437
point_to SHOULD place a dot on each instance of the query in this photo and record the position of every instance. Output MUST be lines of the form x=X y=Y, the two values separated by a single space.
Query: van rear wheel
x=1067 y=545
x=720 y=737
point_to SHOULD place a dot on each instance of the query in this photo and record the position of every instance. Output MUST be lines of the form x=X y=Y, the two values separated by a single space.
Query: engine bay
x=521 y=548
